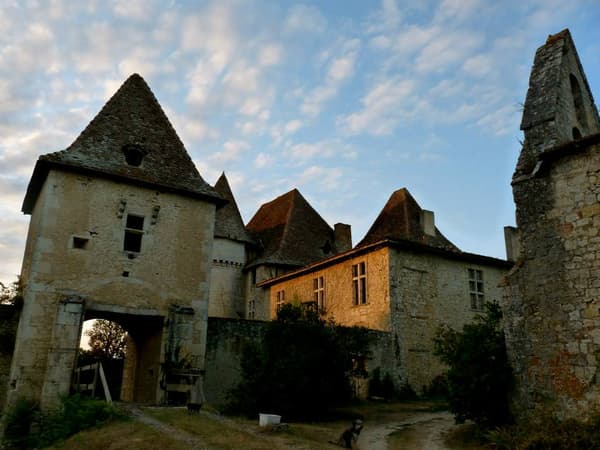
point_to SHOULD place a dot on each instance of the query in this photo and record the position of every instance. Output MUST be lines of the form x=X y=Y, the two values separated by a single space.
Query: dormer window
x=134 y=154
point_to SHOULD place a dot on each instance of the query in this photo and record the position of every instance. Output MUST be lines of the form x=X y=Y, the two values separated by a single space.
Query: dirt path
x=428 y=432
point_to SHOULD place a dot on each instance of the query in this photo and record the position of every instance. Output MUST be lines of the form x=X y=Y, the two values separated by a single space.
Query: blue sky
x=345 y=100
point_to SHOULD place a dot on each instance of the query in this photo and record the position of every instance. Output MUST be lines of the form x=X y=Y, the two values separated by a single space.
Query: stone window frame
x=279 y=299
x=359 y=283
x=133 y=233
x=476 y=284
x=251 y=313
x=319 y=292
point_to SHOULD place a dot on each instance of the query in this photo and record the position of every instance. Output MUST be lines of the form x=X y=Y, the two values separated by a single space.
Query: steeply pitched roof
x=290 y=232
x=400 y=219
x=228 y=220
x=131 y=122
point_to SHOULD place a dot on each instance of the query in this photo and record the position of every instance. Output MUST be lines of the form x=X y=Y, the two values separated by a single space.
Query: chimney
x=513 y=243
x=428 y=222
x=342 y=237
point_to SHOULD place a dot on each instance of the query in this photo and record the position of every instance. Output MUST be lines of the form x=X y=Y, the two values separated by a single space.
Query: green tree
x=479 y=376
x=11 y=294
x=107 y=340
x=302 y=368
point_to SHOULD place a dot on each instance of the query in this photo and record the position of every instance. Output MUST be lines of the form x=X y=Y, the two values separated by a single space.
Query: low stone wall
x=9 y=319
x=226 y=339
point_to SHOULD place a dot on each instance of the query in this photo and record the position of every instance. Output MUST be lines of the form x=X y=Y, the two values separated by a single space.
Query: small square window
x=80 y=242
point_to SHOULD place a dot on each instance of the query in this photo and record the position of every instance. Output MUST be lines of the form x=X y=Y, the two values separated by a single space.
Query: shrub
x=26 y=427
x=301 y=369
x=479 y=377
x=548 y=433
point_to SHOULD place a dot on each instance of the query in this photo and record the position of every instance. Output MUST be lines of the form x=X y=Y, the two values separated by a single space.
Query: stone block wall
x=427 y=291
x=172 y=267
x=552 y=297
x=228 y=337
x=227 y=279
x=338 y=302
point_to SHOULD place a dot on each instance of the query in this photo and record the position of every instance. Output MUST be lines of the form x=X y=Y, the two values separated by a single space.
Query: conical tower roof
x=132 y=140
x=228 y=220
x=400 y=220
x=291 y=232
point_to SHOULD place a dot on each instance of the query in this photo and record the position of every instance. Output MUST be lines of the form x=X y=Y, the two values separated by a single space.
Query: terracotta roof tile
x=131 y=122
x=400 y=219
x=228 y=220
x=290 y=232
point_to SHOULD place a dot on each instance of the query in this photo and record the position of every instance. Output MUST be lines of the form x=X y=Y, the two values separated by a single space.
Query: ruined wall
x=171 y=268
x=428 y=290
x=228 y=337
x=227 y=279
x=9 y=318
x=338 y=302
x=552 y=299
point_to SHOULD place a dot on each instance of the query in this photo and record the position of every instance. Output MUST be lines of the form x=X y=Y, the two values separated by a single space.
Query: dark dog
x=349 y=438
x=194 y=408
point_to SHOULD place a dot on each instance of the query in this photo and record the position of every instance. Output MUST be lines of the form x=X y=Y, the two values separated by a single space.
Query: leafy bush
x=301 y=369
x=548 y=433
x=26 y=427
x=479 y=377
x=437 y=389
x=18 y=423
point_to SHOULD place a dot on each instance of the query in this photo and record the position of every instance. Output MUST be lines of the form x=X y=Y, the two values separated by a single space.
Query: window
x=359 y=284
x=134 y=230
x=319 y=292
x=251 y=309
x=476 y=289
x=80 y=242
x=280 y=299
x=134 y=154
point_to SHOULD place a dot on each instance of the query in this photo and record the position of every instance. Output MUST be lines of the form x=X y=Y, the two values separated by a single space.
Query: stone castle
x=123 y=227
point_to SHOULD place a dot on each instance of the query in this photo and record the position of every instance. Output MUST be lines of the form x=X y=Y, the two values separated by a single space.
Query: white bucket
x=268 y=419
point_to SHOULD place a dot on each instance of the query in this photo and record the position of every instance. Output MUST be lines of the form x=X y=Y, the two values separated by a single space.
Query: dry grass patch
x=125 y=435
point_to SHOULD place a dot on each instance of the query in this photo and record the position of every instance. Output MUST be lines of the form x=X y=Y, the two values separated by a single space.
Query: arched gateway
x=121 y=228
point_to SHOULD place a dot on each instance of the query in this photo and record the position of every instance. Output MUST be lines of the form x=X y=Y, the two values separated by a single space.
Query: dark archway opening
x=136 y=376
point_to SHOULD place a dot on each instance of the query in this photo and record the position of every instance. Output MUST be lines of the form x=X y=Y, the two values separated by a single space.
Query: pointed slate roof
x=131 y=122
x=228 y=220
x=290 y=232
x=400 y=220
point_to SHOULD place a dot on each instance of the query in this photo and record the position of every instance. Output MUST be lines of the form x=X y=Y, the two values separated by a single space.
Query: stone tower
x=552 y=295
x=230 y=253
x=121 y=229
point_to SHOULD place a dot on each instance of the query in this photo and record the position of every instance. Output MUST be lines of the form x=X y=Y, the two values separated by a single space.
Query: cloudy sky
x=346 y=100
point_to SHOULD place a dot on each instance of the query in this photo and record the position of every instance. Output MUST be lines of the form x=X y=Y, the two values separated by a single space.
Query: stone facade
x=552 y=296
x=411 y=290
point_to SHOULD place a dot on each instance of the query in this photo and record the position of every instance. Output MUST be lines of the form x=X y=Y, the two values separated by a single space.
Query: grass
x=236 y=432
x=120 y=436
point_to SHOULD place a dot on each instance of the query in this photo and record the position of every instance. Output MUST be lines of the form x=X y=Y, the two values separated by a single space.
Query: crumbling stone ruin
x=552 y=295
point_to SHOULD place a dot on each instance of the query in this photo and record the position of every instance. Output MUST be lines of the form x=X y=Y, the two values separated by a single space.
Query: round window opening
x=134 y=154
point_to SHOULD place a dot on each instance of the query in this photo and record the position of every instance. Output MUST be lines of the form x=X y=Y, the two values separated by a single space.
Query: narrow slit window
x=280 y=299
x=134 y=231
